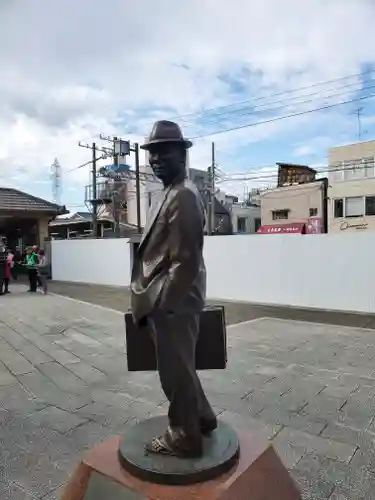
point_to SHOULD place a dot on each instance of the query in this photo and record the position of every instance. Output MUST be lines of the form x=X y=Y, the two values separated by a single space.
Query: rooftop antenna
x=360 y=132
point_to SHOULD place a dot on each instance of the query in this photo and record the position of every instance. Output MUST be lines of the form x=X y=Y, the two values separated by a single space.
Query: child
x=43 y=270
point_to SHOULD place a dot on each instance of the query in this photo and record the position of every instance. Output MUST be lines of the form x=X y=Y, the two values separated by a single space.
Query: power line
x=106 y=151
x=130 y=198
x=277 y=94
x=357 y=165
x=197 y=114
x=288 y=102
x=303 y=187
x=284 y=117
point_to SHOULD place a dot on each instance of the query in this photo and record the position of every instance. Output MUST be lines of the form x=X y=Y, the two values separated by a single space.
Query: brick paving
x=118 y=298
x=306 y=386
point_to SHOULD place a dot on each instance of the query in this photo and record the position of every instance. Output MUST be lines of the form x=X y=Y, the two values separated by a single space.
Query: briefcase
x=211 y=348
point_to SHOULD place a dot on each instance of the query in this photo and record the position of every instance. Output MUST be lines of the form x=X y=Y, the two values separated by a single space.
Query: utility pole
x=94 y=195
x=209 y=203
x=115 y=196
x=212 y=187
x=137 y=187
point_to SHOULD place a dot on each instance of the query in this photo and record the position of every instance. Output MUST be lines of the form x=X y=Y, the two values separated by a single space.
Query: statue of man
x=168 y=291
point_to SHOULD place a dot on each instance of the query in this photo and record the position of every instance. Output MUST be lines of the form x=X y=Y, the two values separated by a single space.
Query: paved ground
x=63 y=387
x=118 y=298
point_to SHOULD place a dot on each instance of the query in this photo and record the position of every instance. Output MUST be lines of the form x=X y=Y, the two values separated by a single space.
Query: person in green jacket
x=31 y=262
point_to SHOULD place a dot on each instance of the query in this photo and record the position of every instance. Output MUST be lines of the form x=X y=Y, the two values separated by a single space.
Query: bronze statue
x=168 y=290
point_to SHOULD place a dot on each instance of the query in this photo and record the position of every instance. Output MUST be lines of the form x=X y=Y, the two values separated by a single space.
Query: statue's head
x=167 y=151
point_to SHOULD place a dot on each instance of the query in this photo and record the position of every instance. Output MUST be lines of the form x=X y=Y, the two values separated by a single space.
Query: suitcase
x=211 y=348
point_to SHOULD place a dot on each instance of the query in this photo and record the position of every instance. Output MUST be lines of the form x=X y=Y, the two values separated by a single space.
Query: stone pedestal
x=258 y=474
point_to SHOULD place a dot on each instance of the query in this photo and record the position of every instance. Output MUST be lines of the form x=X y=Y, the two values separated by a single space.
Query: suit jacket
x=168 y=268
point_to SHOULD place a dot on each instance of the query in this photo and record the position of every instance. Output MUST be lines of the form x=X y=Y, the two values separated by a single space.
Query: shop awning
x=294 y=228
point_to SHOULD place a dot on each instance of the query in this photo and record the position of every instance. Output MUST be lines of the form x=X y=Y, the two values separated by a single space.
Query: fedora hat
x=166 y=131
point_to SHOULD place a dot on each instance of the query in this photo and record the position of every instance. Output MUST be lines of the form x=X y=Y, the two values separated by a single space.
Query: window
x=358 y=169
x=339 y=207
x=370 y=205
x=353 y=170
x=369 y=166
x=313 y=212
x=336 y=173
x=241 y=224
x=354 y=206
x=280 y=214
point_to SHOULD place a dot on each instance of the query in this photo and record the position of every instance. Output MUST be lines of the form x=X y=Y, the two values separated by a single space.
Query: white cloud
x=72 y=70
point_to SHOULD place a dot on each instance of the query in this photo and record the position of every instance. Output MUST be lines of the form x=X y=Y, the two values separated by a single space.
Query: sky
x=74 y=70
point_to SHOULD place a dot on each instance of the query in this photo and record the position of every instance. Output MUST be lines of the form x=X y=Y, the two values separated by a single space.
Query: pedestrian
x=3 y=258
x=17 y=259
x=39 y=280
x=31 y=262
x=8 y=270
x=42 y=268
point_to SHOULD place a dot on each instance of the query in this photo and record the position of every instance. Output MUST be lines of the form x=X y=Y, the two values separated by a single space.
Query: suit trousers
x=175 y=337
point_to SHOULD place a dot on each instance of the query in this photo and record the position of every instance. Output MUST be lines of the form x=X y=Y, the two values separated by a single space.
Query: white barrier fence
x=99 y=262
x=332 y=271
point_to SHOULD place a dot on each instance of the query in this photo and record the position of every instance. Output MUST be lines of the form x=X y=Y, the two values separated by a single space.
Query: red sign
x=294 y=228
x=314 y=225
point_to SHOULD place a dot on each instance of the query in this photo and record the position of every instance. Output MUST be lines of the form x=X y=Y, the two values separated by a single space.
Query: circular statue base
x=220 y=454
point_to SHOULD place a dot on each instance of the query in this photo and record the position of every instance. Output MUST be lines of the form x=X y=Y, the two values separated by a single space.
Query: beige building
x=351 y=192
x=298 y=203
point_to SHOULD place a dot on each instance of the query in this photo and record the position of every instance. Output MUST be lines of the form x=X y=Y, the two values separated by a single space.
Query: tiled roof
x=13 y=199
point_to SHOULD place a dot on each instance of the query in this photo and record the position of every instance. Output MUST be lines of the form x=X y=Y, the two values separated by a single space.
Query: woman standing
x=3 y=257
x=8 y=270
x=42 y=270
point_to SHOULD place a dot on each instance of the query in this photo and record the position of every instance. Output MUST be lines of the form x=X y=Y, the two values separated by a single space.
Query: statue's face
x=167 y=160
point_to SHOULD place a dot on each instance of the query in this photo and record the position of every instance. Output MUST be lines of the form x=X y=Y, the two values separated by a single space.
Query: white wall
x=100 y=262
x=328 y=271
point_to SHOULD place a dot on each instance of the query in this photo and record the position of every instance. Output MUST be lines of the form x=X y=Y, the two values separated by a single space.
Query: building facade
x=351 y=191
x=297 y=204
x=301 y=203
x=24 y=218
x=222 y=223
x=245 y=219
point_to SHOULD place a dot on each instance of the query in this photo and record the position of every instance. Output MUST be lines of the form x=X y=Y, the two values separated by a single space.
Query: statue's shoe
x=208 y=425
x=175 y=443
